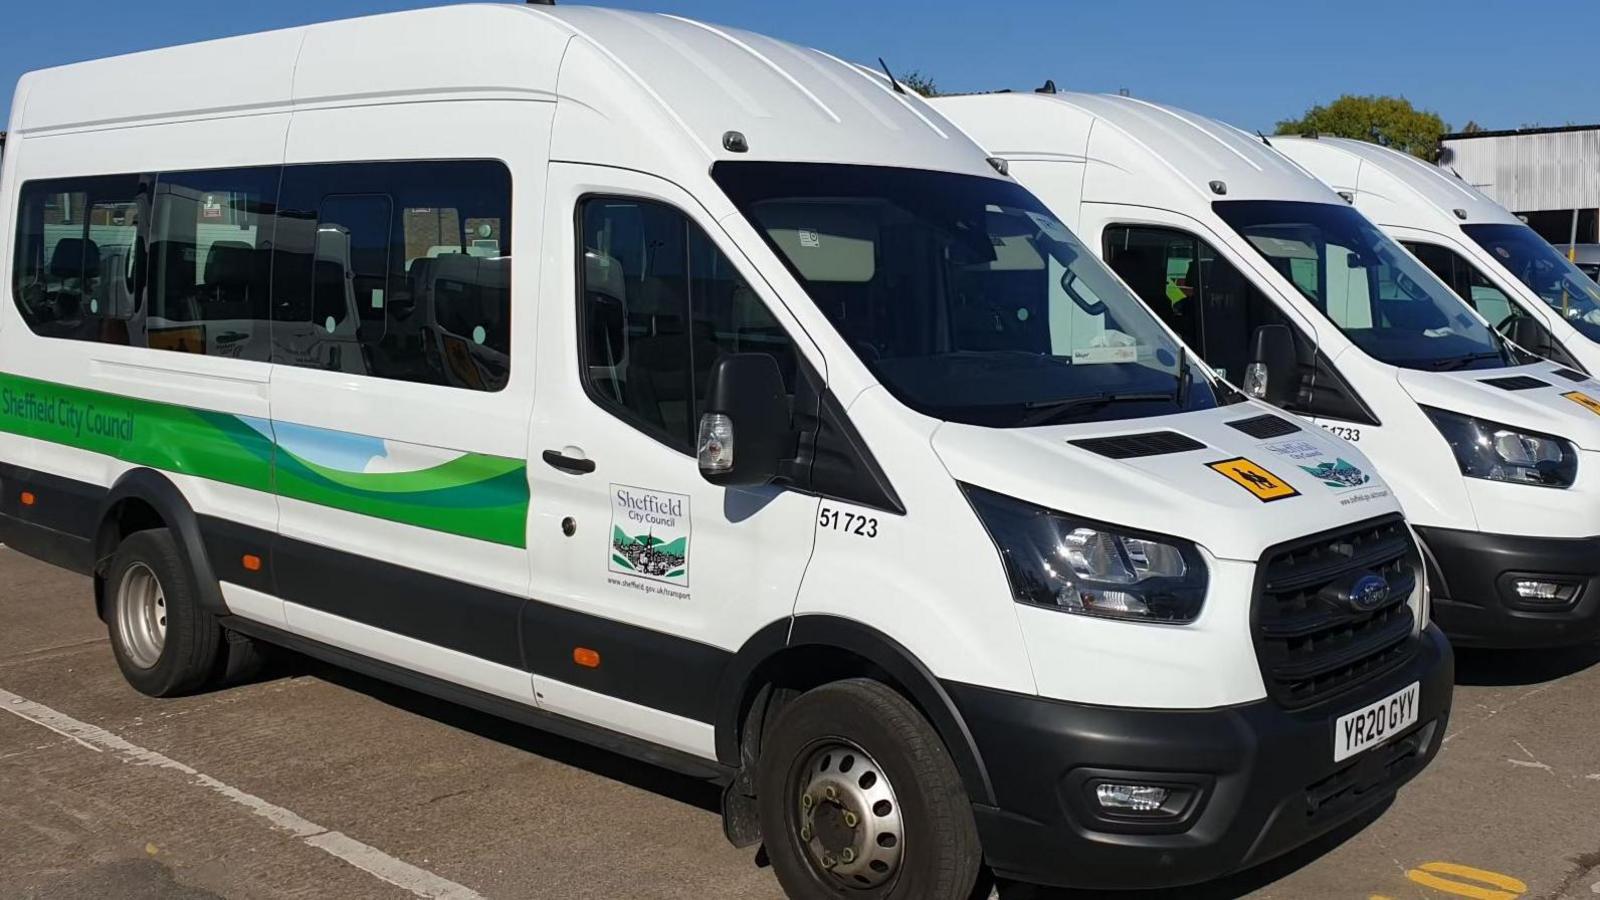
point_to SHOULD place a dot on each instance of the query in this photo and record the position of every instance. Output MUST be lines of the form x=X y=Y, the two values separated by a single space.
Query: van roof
x=1392 y=187
x=701 y=81
x=1161 y=145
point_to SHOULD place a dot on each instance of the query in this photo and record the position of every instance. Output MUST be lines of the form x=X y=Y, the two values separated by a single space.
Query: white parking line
x=371 y=860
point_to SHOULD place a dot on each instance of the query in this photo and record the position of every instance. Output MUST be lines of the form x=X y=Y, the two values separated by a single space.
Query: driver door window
x=660 y=305
x=1469 y=283
x=1211 y=305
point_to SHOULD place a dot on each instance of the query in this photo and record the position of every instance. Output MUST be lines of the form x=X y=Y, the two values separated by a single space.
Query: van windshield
x=1386 y=302
x=966 y=298
x=1546 y=272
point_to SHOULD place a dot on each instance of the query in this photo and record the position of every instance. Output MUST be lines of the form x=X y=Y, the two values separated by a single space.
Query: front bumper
x=1265 y=775
x=1471 y=573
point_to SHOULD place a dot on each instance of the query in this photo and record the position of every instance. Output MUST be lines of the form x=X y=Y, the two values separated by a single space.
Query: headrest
x=75 y=258
x=230 y=262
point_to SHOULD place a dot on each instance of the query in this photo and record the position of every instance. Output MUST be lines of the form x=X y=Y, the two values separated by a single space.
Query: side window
x=78 y=263
x=1164 y=268
x=1465 y=279
x=659 y=305
x=1211 y=305
x=209 y=243
x=396 y=270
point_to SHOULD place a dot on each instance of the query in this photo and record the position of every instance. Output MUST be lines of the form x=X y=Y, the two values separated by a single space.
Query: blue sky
x=1504 y=64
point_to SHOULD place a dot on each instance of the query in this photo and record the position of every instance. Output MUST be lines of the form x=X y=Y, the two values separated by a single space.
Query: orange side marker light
x=252 y=562
x=28 y=499
x=583 y=656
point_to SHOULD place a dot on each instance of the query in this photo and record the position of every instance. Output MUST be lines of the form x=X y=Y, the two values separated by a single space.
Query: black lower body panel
x=1474 y=574
x=50 y=518
x=1259 y=779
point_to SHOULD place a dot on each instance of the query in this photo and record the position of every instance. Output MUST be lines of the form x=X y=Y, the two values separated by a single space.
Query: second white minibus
x=1286 y=290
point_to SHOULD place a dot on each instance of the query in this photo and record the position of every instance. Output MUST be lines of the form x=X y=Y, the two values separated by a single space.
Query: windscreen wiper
x=1043 y=411
x=1461 y=362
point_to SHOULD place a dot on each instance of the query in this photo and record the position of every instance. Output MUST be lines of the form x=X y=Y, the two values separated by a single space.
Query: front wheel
x=859 y=798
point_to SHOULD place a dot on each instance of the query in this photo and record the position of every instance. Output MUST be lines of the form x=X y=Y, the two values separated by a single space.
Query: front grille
x=1133 y=446
x=1310 y=645
x=1377 y=769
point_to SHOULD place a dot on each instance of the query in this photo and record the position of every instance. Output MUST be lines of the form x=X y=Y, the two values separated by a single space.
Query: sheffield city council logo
x=1338 y=474
x=650 y=534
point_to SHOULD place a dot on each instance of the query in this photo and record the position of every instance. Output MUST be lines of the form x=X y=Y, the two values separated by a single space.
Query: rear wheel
x=164 y=642
x=859 y=798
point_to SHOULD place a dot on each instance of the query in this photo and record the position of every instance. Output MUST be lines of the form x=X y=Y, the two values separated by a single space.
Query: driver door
x=647 y=578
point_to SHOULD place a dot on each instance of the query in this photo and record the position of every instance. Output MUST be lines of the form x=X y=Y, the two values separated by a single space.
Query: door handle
x=568 y=463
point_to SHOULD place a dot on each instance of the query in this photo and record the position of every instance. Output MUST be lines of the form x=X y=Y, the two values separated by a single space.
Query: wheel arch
x=778 y=656
x=145 y=498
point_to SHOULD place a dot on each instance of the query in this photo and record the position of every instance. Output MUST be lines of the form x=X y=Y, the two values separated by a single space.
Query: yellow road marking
x=1501 y=887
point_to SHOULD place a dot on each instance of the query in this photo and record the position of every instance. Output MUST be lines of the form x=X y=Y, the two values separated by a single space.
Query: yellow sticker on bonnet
x=1266 y=486
x=1584 y=400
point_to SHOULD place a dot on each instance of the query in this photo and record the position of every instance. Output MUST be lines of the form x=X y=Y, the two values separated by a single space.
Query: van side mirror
x=1527 y=333
x=744 y=432
x=1274 y=371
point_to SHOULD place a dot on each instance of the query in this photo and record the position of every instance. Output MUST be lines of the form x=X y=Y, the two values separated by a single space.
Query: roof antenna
x=892 y=80
x=1049 y=87
x=1263 y=138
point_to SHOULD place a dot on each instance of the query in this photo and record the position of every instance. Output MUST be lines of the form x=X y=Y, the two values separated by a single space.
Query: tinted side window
x=396 y=270
x=1211 y=305
x=210 y=241
x=77 y=268
x=1465 y=279
x=659 y=305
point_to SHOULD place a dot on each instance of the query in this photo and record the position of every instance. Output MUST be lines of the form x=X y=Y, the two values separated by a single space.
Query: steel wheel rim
x=142 y=615
x=848 y=818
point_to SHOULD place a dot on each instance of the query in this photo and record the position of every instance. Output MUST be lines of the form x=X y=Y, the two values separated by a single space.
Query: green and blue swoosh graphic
x=468 y=494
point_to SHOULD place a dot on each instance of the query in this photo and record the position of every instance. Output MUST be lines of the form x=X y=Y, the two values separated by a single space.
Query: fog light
x=1132 y=797
x=1538 y=590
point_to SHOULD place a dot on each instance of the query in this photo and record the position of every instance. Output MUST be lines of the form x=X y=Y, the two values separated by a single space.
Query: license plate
x=1368 y=727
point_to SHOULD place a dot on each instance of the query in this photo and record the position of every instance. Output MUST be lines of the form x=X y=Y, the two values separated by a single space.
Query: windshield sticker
x=810 y=238
x=1262 y=484
x=1584 y=400
x=650 y=534
x=1296 y=449
x=1051 y=228
x=1338 y=474
x=1094 y=356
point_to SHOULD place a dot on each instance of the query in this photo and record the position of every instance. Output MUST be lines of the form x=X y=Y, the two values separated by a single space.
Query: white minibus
x=1284 y=289
x=709 y=399
x=1525 y=287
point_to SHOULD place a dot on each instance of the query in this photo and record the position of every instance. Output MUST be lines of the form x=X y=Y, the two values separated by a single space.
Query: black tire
x=941 y=857
x=191 y=651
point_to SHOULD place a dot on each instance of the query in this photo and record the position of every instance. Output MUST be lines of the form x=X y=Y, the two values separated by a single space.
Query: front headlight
x=1502 y=453
x=1078 y=566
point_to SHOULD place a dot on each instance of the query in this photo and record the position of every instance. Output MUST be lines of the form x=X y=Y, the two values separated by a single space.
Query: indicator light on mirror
x=1141 y=798
x=716 y=443
x=1255 y=380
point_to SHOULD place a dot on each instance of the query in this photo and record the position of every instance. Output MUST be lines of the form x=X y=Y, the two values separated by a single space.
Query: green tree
x=922 y=84
x=1389 y=121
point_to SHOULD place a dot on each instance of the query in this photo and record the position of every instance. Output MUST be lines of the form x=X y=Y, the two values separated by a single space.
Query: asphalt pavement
x=316 y=782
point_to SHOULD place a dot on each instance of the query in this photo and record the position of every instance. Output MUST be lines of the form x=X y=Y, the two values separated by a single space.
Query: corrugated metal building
x=1541 y=174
